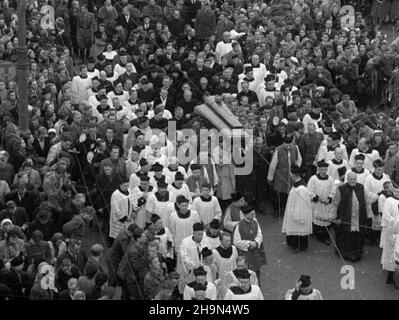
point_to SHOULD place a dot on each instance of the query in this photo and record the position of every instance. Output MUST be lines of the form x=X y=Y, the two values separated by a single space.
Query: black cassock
x=350 y=243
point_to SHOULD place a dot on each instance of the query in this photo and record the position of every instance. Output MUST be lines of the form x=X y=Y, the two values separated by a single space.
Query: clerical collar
x=161 y=232
x=337 y=162
x=83 y=77
x=117 y=93
x=369 y=151
x=238 y=290
x=209 y=199
x=159 y=179
x=183 y=216
x=314 y=116
x=298 y=183
x=253 y=66
x=210 y=235
x=143 y=190
x=133 y=102
x=225 y=253
x=376 y=177
x=322 y=178
x=164 y=198
x=126 y=193
x=358 y=171
x=249 y=79
x=172 y=170
x=178 y=188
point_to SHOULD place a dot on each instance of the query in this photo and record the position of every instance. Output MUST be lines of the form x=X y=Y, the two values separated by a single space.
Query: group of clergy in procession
x=358 y=203
x=216 y=255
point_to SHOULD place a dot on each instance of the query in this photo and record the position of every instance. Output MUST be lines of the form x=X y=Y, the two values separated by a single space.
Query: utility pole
x=22 y=69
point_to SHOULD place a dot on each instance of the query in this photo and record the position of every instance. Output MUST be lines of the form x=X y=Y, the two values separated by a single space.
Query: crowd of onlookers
x=92 y=170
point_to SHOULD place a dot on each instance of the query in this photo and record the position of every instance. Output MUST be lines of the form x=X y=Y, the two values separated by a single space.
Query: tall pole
x=22 y=69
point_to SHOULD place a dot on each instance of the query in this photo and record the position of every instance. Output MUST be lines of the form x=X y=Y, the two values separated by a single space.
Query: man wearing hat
x=121 y=209
x=181 y=224
x=134 y=180
x=303 y=290
x=143 y=191
x=309 y=145
x=200 y=279
x=178 y=187
x=191 y=249
x=156 y=174
x=212 y=234
x=248 y=239
x=233 y=214
x=359 y=169
x=284 y=157
x=159 y=202
x=321 y=188
x=245 y=290
x=352 y=216
x=370 y=154
x=266 y=89
x=373 y=186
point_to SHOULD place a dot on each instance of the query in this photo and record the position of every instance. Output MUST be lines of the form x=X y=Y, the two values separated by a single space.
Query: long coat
x=205 y=24
x=86 y=25
x=280 y=167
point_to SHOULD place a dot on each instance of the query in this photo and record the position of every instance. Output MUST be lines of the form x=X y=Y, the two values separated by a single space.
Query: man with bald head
x=351 y=215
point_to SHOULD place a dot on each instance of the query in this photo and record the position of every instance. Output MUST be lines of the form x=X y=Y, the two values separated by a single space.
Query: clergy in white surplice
x=245 y=290
x=373 y=186
x=181 y=224
x=158 y=202
x=336 y=163
x=121 y=210
x=321 y=188
x=200 y=279
x=370 y=154
x=191 y=248
x=178 y=187
x=297 y=223
x=207 y=206
x=212 y=234
x=384 y=195
x=359 y=169
x=390 y=217
x=143 y=191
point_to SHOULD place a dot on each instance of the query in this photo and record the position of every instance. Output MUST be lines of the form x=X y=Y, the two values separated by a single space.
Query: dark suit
x=79 y=259
x=169 y=105
x=190 y=9
x=19 y=286
x=42 y=153
x=30 y=201
x=127 y=25
x=18 y=218
x=115 y=142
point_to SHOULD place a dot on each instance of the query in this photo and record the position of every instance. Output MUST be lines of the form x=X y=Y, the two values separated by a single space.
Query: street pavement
x=322 y=264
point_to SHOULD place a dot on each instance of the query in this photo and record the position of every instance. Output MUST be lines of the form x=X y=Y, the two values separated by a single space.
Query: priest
x=390 y=216
x=245 y=290
x=200 y=278
x=225 y=255
x=248 y=239
x=207 y=206
x=321 y=188
x=233 y=214
x=350 y=211
x=181 y=224
x=303 y=290
x=297 y=223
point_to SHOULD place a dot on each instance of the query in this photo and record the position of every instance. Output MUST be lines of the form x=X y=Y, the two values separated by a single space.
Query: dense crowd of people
x=317 y=85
